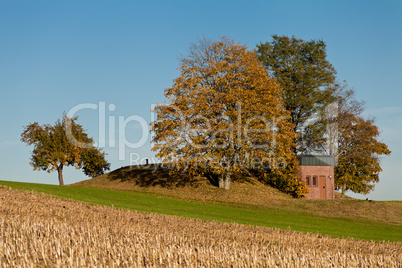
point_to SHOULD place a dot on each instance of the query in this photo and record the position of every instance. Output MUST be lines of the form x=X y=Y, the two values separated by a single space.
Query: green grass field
x=269 y=217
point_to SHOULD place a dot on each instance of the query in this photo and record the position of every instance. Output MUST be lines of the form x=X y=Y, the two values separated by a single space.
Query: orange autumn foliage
x=224 y=115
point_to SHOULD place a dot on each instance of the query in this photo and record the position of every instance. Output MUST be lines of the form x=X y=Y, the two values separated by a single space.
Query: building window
x=308 y=180
x=315 y=180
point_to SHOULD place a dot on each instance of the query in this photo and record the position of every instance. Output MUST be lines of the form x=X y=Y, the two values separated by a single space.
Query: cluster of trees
x=326 y=116
x=234 y=110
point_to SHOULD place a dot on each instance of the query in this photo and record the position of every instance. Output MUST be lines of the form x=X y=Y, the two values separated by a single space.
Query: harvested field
x=37 y=230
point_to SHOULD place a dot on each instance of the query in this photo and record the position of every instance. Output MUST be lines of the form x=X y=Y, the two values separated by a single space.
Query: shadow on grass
x=152 y=175
x=156 y=175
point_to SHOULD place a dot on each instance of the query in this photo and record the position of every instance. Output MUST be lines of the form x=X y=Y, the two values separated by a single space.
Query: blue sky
x=55 y=55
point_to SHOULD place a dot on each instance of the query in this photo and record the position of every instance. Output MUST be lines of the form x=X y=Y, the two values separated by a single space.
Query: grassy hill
x=244 y=193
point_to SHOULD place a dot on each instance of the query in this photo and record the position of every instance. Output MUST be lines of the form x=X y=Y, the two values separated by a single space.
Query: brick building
x=317 y=171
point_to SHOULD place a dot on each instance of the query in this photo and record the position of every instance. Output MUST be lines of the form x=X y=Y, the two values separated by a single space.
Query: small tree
x=358 y=164
x=64 y=144
x=357 y=149
x=224 y=114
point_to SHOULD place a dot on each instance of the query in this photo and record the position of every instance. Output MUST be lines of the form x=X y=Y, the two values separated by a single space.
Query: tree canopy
x=64 y=144
x=224 y=114
x=358 y=149
x=307 y=79
x=358 y=163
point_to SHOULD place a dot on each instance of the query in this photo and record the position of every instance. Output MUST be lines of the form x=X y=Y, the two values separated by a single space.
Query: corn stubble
x=37 y=230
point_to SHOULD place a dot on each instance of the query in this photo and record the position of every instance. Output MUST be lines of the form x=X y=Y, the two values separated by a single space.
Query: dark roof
x=316 y=160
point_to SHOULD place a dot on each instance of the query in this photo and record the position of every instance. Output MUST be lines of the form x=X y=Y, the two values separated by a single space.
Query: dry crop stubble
x=37 y=230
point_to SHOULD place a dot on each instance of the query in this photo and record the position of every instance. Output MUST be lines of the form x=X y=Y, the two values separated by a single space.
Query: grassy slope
x=249 y=194
x=258 y=215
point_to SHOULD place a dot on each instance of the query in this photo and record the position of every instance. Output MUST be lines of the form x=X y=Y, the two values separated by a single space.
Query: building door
x=321 y=186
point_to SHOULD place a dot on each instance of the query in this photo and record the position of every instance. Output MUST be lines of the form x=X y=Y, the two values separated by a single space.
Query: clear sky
x=55 y=55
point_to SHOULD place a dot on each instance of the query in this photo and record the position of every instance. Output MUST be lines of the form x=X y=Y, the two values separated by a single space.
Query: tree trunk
x=344 y=188
x=60 y=171
x=221 y=181
x=295 y=140
x=224 y=181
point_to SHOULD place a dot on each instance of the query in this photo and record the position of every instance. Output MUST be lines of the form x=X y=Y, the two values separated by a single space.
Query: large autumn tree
x=357 y=146
x=64 y=144
x=307 y=78
x=224 y=114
